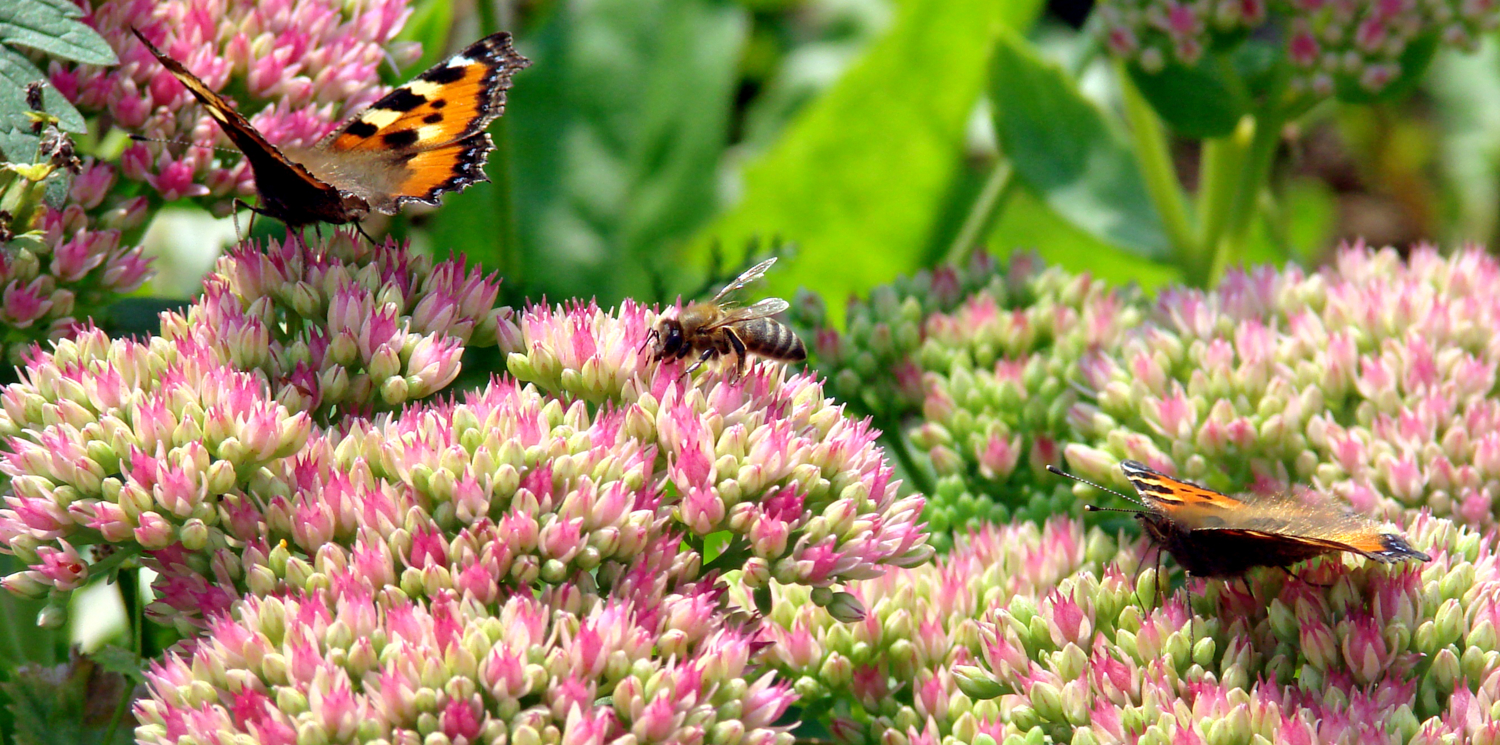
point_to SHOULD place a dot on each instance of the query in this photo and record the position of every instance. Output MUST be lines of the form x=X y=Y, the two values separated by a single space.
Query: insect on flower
x=1211 y=534
x=421 y=140
x=712 y=329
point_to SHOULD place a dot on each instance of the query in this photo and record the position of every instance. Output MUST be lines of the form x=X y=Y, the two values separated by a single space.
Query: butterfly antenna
x=187 y=143
x=1091 y=507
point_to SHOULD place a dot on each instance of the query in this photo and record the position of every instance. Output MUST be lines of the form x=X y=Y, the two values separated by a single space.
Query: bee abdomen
x=772 y=339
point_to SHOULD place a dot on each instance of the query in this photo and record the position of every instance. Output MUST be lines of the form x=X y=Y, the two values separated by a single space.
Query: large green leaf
x=1062 y=146
x=1029 y=224
x=51 y=26
x=618 y=130
x=858 y=181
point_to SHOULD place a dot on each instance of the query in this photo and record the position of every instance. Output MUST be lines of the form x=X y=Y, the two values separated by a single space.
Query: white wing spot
x=379 y=118
x=424 y=88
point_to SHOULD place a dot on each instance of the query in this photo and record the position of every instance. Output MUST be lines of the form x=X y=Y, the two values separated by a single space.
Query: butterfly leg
x=1161 y=592
x=234 y=216
x=1300 y=578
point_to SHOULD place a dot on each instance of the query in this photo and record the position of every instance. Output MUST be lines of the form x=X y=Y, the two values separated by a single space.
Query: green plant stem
x=1153 y=153
x=1253 y=175
x=494 y=16
x=986 y=209
x=12 y=615
x=1223 y=161
x=896 y=443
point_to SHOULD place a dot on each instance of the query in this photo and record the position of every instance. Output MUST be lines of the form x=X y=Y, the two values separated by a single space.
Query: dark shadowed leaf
x=618 y=130
x=74 y=703
x=1203 y=101
x=1063 y=147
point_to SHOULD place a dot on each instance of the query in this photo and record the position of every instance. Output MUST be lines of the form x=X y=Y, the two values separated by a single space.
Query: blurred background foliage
x=655 y=141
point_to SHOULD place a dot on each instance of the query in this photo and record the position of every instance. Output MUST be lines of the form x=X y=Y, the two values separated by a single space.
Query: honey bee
x=713 y=329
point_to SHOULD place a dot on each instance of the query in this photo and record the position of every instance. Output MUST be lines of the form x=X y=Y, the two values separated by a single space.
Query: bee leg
x=707 y=355
x=739 y=353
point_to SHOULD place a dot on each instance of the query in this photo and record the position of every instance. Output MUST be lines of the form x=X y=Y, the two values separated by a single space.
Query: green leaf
x=860 y=178
x=17 y=144
x=70 y=704
x=51 y=26
x=1062 y=146
x=1202 y=101
x=430 y=23
x=1028 y=224
x=619 y=128
x=121 y=661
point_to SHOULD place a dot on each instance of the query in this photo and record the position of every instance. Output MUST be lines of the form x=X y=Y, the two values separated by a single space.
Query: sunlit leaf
x=859 y=179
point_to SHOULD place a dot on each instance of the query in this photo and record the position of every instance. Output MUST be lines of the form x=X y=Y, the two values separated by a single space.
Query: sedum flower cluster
x=541 y=558
x=1041 y=634
x=1330 y=46
x=64 y=257
x=871 y=365
x=991 y=377
x=343 y=326
x=1370 y=379
x=296 y=69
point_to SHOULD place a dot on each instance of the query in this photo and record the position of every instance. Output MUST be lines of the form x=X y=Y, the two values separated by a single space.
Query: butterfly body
x=1211 y=534
x=421 y=140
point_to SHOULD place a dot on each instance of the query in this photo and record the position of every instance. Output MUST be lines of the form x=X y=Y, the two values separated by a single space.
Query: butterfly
x=421 y=140
x=1211 y=534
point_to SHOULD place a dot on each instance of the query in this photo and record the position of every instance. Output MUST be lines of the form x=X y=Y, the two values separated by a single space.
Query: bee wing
x=750 y=275
x=768 y=307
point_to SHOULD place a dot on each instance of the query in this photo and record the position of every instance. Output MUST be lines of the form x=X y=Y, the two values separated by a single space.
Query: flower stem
x=982 y=215
x=896 y=443
x=1154 y=155
x=1253 y=174
x=1223 y=161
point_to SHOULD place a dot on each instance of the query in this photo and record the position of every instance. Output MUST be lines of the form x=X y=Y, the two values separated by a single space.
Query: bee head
x=673 y=342
x=669 y=339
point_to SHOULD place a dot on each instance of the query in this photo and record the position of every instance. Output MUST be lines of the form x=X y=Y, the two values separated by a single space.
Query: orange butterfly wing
x=421 y=140
x=426 y=137
x=1281 y=518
